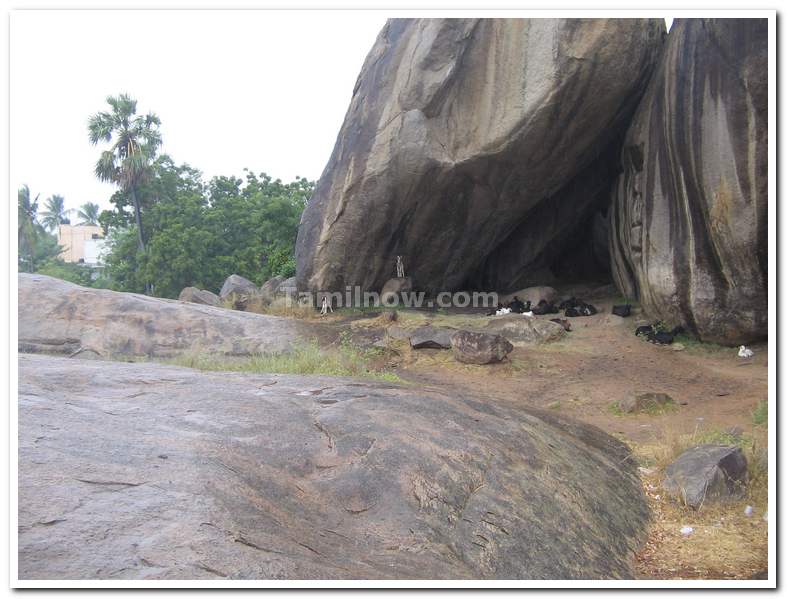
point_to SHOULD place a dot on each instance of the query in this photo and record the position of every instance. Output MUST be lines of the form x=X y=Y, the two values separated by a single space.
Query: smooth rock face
x=60 y=317
x=688 y=228
x=139 y=470
x=471 y=347
x=393 y=288
x=707 y=473
x=199 y=296
x=431 y=337
x=524 y=330
x=458 y=130
x=287 y=288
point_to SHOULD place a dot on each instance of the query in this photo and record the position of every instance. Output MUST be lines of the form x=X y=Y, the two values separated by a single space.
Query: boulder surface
x=472 y=347
x=707 y=473
x=688 y=224
x=199 y=296
x=457 y=132
x=146 y=471
x=60 y=317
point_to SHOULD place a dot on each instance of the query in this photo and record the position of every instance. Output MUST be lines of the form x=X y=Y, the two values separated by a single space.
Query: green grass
x=651 y=409
x=759 y=415
x=692 y=344
x=304 y=358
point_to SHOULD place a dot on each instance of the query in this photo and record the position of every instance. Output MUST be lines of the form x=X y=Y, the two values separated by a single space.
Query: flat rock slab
x=707 y=473
x=56 y=316
x=525 y=330
x=140 y=470
x=432 y=337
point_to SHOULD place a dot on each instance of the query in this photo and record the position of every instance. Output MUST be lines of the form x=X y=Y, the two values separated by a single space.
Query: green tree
x=88 y=213
x=55 y=214
x=134 y=140
x=35 y=245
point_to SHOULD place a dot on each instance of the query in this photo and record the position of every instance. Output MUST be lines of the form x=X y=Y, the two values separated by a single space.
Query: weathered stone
x=479 y=348
x=689 y=221
x=199 y=296
x=645 y=402
x=457 y=132
x=238 y=292
x=268 y=290
x=707 y=473
x=523 y=330
x=147 y=471
x=431 y=337
x=287 y=289
x=393 y=289
x=60 y=317
x=532 y=294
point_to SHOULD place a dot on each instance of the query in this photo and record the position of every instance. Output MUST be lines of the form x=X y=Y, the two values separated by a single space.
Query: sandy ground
x=600 y=362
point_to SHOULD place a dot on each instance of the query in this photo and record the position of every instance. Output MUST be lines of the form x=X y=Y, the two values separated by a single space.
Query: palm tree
x=88 y=212
x=26 y=225
x=55 y=214
x=134 y=139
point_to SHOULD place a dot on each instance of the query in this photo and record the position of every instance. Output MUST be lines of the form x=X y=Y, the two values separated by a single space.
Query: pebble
x=686 y=531
x=748 y=511
x=765 y=516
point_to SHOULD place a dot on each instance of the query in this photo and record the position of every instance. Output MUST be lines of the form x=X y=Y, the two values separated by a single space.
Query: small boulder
x=523 y=330
x=268 y=290
x=287 y=288
x=707 y=473
x=533 y=295
x=393 y=288
x=237 y=285
x=480 y=348
x=431 y=337
x=645 y=402
x=622 y=310
x=199 y=296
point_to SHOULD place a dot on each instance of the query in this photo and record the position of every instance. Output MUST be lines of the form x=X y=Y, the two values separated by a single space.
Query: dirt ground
x=598 y=363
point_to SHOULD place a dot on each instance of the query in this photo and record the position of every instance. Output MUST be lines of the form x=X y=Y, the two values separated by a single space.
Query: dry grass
x=282 y=307
x=725 y=543
x=306 y=358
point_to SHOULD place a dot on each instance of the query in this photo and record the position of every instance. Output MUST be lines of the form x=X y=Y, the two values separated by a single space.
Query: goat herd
x=572 y=308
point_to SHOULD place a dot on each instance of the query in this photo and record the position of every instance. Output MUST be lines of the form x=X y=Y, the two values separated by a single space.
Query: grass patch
x=759 y=415
x=651 y=409
x=304 y=358
x=692 y=344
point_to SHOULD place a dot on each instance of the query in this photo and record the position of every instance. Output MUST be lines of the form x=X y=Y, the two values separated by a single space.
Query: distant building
x=81 y=243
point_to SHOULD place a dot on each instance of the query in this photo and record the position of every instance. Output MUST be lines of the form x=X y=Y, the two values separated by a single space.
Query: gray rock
x=689 y=221
x=238 y=291
x=524 y=330
x=393 y=288
x=458 y=131
x=268 y=290
x=707 y=473
x=471 y=347
x=199 y=296
x=146 y=471
x=645 y=402
x=287 y=289
x=59 y=317
x=431 y=337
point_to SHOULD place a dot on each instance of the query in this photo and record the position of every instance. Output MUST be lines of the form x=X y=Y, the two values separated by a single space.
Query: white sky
x=266 y=90
x=258 y=89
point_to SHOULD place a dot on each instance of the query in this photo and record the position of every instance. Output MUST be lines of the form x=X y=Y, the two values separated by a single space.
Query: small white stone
x=748 y=511
x=765 y=516
x=686 y=531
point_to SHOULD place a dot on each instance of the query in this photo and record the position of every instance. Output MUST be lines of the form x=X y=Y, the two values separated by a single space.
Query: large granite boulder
x=199 y=296
x=60 y=317
x=688 y=226
x=432 y=337
x=238 y=292
x=268 y=290
x=458 y=131
x=146 y=471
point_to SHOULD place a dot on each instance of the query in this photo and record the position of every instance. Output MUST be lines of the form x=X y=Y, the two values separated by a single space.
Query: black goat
x=623 y=310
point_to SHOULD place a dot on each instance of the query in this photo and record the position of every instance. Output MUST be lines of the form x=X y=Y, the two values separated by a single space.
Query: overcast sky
x=263 y=90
